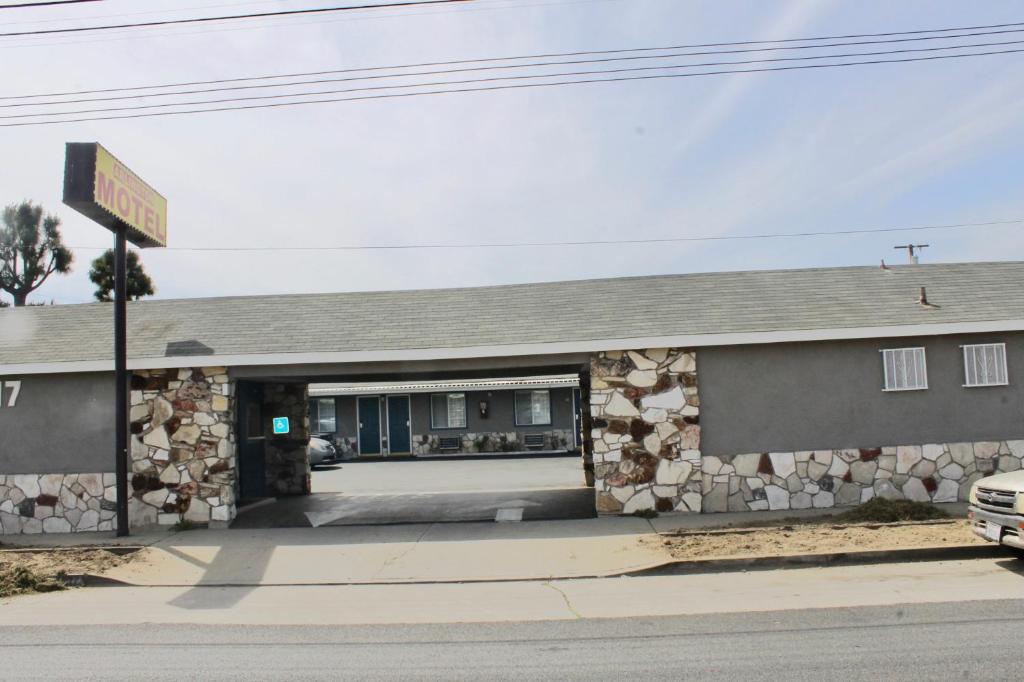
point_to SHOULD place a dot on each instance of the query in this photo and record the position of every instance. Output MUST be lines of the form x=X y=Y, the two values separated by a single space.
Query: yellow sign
x=128 y=198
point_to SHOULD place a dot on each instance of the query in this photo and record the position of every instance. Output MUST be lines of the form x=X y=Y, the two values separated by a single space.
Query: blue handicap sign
x=281 y=425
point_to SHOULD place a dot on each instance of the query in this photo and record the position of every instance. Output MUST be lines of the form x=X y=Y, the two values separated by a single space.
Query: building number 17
x=13 y=388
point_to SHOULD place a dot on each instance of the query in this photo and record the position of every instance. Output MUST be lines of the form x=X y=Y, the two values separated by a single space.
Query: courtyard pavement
x=353 y=477
x=358 y=493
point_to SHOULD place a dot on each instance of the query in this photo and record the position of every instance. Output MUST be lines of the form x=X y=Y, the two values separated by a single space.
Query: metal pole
x=121 y=376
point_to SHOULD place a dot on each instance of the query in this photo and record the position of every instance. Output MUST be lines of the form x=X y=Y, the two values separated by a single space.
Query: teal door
x=368 y=409
x=399 y=428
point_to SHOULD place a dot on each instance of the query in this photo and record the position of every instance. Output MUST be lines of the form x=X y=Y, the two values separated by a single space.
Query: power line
x=514 y=86
x=521 y=66
x=554 y=55
x=21 y=5
x=252 y=15
x=270 y=23
x=584 y=242
x=52 y=20
x=491 y=79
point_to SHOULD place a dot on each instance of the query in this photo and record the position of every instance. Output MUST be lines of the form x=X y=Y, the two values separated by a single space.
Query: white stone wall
x=57 y=503
x=645 y=428
x=933 y=472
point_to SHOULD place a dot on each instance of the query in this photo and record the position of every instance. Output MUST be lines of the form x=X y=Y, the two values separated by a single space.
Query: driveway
x=449 y=475
x=354 y=493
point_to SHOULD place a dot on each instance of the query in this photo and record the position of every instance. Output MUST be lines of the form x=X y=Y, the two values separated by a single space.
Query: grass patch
x=19 y=579
x=184 y=524
x=880 y=510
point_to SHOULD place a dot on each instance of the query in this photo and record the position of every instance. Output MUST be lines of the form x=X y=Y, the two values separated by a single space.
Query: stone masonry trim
x=932 y=472
x=645 y=427
x=490 y=442
x=57 y=503
x=182 y=448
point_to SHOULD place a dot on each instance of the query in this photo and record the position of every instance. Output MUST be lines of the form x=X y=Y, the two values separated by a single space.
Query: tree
x=102 y=275
x=31 y=249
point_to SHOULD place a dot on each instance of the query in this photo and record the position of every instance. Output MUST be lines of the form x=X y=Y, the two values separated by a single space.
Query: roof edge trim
x=509 y=350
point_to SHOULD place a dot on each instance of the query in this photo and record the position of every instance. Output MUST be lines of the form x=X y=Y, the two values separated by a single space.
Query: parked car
x=997 y=510
x=321 y=451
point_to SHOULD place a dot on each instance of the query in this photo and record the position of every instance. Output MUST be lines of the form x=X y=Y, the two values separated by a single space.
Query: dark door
x=577 y=411
x=369 y=425
x=252 y=456
x=399 y=435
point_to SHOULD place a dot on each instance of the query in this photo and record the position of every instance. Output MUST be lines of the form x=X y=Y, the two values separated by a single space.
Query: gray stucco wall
x=61 y=424
x=822 y=395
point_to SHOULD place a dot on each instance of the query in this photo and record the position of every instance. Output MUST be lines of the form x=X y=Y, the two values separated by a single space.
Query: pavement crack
x=401 y=555
x=565 y=598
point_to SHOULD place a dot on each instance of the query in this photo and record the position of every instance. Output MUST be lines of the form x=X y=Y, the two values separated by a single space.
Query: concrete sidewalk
x=415 y=553
x=388 y=554
x=806 y=588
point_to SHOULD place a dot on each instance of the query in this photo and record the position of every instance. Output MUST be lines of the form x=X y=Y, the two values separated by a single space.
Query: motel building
x=685 y=394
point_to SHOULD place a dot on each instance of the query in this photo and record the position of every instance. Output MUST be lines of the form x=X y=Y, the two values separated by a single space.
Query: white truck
x=997 y=510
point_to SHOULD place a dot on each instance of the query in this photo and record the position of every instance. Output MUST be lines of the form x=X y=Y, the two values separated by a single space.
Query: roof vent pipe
x=922 y=300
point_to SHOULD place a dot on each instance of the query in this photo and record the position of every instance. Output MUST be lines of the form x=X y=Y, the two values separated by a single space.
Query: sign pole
x=103 y=189
x=121 y=375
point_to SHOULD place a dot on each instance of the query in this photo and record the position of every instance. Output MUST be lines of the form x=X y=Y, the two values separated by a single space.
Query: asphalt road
x=978 y=640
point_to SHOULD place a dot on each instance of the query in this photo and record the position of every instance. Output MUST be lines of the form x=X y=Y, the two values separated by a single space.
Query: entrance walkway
x=354 y=493
x=455 y=475
x=336 y=509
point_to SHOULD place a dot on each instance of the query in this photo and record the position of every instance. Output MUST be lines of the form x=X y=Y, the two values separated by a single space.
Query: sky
x=893 y=145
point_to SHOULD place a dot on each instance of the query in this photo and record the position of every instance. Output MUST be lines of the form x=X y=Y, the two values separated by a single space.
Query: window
x=985 y=364
x=322 y=417
x=448 y=411
x=905 y=369
x=533 y=408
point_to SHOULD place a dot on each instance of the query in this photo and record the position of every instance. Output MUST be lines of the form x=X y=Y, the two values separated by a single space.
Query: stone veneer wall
x=645 y=415
x=288 y=470
x=490 y=442
x=57 y=503
x=934 y=472
x=183 y=446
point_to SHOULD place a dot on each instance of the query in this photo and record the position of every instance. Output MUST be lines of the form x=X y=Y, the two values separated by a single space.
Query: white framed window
x=322 y=417
x=905 y=369
x=985 y=364
x=448 y=411
x=533 y=408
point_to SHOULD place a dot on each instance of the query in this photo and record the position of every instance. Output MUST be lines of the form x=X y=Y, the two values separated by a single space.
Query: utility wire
x=400 y=86
x=252 y=15
x=22 y=5
x=513 y=86
x=553 y=55
x=143 y=13
x=583 y=242
x=270 y=23
x=602 y=60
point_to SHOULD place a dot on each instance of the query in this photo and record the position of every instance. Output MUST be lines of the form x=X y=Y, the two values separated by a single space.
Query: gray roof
x=545 y=313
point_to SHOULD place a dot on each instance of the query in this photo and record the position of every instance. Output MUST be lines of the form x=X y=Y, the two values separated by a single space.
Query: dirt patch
x=24 y=571
x=817 y=538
